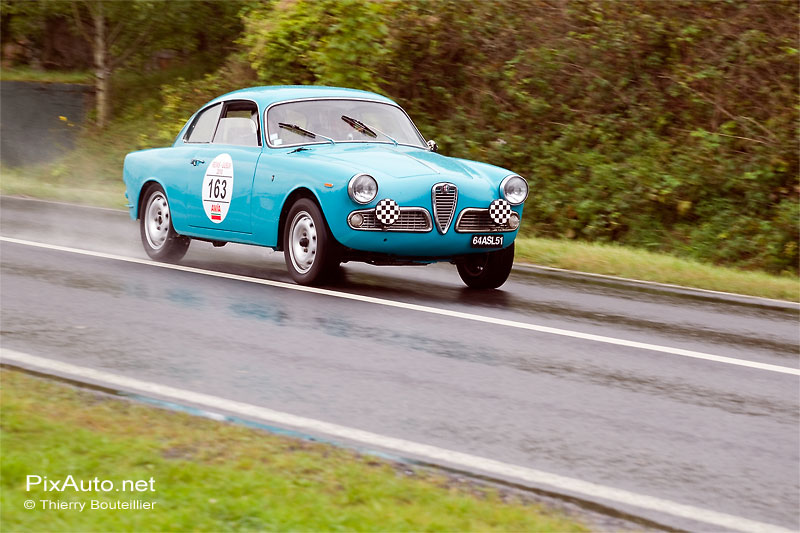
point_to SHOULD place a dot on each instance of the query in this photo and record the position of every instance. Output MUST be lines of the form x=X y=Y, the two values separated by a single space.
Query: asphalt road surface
x=582 y=400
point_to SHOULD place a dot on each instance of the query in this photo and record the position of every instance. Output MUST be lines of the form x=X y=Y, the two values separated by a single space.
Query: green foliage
x=667 y=125
x=670 y=126
x=135 y=30
x=322 y=42
x=23 y=19
x=180 y=99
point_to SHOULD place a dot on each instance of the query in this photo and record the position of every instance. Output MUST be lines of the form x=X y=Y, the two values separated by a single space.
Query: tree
x=35 y=34
x=125 y=33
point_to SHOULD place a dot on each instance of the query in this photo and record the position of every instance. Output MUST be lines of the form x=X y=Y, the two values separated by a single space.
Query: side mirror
x=432 y=146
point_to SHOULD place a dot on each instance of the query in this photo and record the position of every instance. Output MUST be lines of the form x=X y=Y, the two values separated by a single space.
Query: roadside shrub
x=665 y=125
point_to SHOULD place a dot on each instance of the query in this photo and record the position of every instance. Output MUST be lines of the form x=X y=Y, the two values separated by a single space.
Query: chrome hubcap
x=156 y=221
x=303 y=242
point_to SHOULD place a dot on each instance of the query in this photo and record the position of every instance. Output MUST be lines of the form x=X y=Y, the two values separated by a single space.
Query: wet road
x=714 y=435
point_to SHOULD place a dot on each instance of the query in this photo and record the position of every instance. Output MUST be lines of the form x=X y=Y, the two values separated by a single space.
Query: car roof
x=268 y=95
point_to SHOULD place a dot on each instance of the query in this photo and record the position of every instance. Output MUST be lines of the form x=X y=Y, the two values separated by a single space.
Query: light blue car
x=327 y=175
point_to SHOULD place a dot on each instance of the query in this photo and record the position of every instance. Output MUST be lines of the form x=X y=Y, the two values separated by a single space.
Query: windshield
x=344 y=121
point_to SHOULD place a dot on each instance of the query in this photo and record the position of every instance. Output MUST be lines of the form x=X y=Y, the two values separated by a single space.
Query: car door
x=227 y=146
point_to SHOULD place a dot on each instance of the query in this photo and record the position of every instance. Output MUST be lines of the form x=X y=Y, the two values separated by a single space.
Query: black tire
x=309 y=249
x=159 y=238
x=488 y=270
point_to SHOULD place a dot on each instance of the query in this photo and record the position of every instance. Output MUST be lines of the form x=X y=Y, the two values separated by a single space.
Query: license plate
x=487 y=241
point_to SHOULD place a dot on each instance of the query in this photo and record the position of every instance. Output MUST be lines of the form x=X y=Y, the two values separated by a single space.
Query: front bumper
x=424 y=241
x=424 y=233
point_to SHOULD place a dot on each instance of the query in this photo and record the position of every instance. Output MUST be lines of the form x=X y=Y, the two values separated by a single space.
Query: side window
x=202 y=131
x=238 y=125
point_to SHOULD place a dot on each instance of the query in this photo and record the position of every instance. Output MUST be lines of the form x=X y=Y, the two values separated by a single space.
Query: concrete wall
x=31 y=129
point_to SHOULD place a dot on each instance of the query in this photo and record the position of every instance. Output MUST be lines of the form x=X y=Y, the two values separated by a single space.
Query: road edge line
x=429 y=452
x=420 y=308
x=531 y=268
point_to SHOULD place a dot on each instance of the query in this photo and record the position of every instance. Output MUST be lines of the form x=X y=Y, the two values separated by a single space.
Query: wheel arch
x=297 y=194
x=148 y=184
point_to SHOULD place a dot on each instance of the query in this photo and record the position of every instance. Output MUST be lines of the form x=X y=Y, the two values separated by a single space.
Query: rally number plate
x=487 y=241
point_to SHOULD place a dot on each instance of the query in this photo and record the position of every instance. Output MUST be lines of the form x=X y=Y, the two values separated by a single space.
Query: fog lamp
x=356 y=220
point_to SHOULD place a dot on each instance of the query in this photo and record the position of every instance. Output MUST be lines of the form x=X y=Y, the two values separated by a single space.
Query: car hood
x=398 y=162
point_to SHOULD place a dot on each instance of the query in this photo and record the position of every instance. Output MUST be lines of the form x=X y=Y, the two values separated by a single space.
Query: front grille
x=412 y=219
x=473 y=220
x=444 y=197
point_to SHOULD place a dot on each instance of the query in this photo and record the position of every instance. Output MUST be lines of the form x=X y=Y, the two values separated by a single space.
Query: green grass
x=21 y=73
x=212 y=476
x=58 y=183
x=625 y=262
x=91 y=174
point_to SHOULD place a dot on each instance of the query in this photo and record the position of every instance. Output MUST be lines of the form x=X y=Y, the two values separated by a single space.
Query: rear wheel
x=160 y=240
x=309 y=249
x=488 y=270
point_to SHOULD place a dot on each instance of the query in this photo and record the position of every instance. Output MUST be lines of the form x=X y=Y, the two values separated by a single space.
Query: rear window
x=238 y=125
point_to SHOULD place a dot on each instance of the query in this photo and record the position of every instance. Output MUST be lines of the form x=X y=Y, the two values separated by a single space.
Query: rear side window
x=202 y=130
x=239 y=124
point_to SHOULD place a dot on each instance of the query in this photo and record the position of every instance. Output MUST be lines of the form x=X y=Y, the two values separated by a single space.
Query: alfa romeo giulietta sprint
x=327 y=175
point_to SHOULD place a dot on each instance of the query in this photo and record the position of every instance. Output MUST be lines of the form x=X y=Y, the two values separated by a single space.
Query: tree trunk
x=102 y=72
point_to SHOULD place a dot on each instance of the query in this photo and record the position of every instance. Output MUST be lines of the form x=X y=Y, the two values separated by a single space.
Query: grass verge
x=212 y=476
x=21 y=73
x=58 y=183
x=625 y=262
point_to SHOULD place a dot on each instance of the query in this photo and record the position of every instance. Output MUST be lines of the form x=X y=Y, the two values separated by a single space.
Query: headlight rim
x=503 y=189
x=351 y=185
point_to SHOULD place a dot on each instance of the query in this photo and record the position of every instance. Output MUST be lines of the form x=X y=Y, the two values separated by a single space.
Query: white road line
x=522 y=266
x=407 y=448
x=422 y=308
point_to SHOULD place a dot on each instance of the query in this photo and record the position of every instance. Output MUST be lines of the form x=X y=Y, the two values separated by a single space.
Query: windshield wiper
x=360 y=127
x=299 y=149
x=301 y=131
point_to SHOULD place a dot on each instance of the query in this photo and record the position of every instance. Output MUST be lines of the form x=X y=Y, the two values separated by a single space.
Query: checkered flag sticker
x=499 y=212
x=387 y=211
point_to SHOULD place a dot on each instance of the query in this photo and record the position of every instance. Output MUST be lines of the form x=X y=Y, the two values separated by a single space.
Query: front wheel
x=308 y=246
x=160 y=240
x=488 y=270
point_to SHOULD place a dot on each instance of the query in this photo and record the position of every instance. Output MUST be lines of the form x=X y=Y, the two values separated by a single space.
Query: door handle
x=195 y=162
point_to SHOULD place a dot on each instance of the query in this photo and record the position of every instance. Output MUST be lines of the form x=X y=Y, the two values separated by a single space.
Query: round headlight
x=362 y=188
x=514 y=189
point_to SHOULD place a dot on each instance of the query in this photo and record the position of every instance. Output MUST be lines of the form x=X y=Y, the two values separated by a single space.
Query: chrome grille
x=412 y=219
x=473 y=220
x=444 y=197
